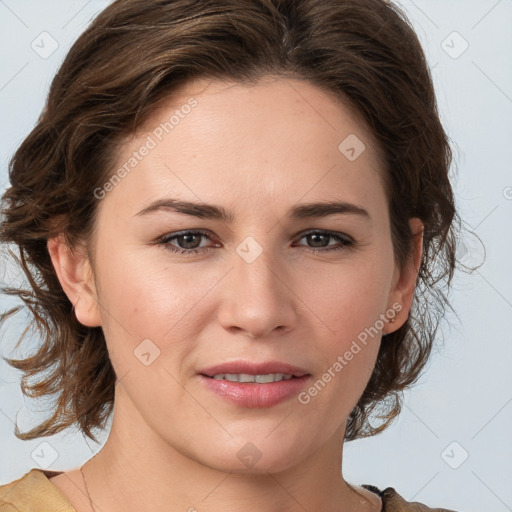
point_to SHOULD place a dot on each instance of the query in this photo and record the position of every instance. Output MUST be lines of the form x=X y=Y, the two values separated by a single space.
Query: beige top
x=34 y=492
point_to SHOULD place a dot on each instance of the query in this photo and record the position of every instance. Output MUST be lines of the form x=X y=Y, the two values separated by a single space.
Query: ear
x=75 y=275
x=405 y=279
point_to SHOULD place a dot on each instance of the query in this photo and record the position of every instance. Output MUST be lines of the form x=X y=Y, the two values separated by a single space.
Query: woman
x=237 y=222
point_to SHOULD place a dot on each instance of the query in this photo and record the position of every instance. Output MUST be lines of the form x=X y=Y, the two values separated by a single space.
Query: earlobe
x=75 y=275
x=403 y=292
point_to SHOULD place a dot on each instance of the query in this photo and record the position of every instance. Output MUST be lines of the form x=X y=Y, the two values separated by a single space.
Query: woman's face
x=268 y=278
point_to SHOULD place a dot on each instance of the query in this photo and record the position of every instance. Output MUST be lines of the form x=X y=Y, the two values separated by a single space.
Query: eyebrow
x=209 y=211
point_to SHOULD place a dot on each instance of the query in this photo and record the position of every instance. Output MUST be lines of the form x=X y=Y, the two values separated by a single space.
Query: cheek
x=347 y=300
x=347 y=351
x=349 y=305
x=150 y=299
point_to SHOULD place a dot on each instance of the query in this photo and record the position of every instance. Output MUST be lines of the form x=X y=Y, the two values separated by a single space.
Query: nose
x=258 y=298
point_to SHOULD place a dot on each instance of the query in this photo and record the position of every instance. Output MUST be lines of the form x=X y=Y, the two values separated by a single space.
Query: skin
x=256 y=150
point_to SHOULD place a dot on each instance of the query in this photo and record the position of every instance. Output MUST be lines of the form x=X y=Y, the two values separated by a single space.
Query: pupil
x=188 y=241
x=317 y=236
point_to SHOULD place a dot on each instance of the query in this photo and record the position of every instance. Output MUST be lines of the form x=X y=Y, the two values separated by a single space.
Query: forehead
x=268 y=141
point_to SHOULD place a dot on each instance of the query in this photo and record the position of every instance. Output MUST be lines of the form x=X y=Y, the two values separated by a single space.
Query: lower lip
x=252 y=395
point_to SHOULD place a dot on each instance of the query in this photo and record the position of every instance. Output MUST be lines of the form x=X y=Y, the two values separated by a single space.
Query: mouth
x=258 y=379
x=255 y=385
x=247 y=371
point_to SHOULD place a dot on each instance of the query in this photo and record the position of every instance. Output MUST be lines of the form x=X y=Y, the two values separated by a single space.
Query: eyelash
x=166 y=242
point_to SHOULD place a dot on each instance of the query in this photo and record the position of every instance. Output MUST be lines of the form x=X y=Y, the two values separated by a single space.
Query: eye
x=187 y=242
x=319 y=239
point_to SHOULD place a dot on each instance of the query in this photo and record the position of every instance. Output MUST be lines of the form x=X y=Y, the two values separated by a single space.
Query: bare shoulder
x=370 y=496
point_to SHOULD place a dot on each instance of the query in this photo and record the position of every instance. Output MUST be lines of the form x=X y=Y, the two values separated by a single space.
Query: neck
x=137 y=470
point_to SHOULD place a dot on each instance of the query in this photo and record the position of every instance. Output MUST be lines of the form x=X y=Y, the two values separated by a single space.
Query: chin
x=257 y=456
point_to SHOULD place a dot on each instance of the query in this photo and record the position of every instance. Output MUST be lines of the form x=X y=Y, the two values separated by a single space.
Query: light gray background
x=465 y=395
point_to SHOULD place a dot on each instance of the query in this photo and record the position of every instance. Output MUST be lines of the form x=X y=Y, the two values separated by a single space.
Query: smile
x=259 y=379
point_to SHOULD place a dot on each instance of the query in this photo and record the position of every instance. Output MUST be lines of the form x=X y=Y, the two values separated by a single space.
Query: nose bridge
x=258 y=300
x=256 y=265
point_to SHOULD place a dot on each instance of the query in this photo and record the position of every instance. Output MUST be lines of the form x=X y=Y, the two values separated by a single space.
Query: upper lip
x=251 y=368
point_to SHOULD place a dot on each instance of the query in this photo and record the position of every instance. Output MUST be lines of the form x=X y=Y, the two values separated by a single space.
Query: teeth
x=259 y=379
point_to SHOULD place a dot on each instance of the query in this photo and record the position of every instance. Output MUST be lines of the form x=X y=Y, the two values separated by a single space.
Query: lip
x=250 y=394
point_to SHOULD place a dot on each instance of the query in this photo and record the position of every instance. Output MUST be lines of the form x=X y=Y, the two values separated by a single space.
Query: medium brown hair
x=137 y=52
